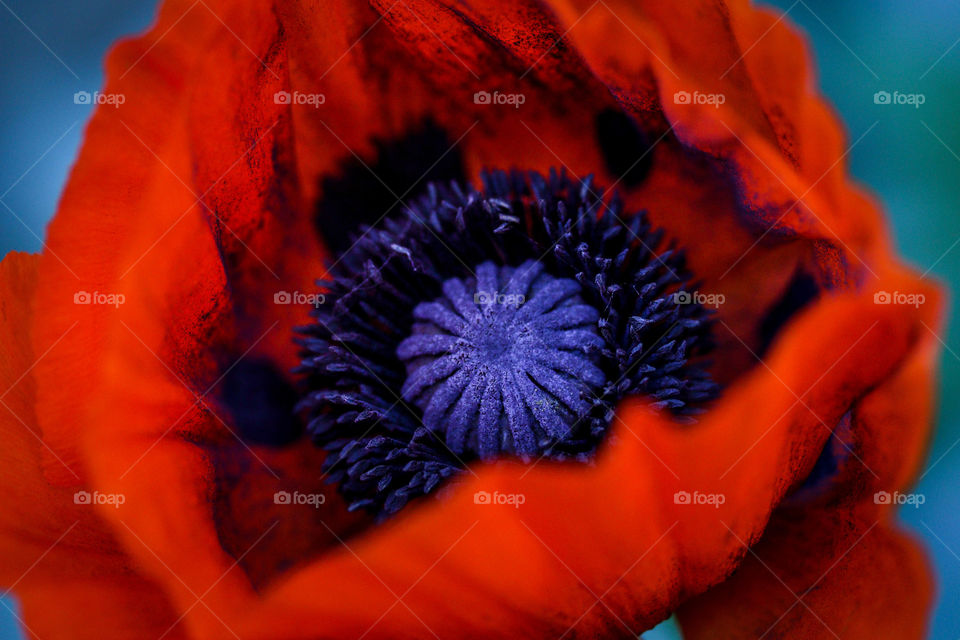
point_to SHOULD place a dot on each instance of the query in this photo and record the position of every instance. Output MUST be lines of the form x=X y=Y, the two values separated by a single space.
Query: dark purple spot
x=800 y=292
x=261 y=402
x=625 y=147
x=362 y=194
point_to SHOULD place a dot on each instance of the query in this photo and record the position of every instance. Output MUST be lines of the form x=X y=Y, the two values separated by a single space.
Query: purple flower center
x=508 y=321
x=503 y=362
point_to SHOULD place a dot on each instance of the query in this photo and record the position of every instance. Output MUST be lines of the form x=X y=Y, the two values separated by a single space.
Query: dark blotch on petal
x=801 y=291
x=837 y=450
x=261 y=403
x=625 y=147
x=356 y=198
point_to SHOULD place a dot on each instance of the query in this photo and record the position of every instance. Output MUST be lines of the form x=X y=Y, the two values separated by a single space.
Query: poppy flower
x=603 y=332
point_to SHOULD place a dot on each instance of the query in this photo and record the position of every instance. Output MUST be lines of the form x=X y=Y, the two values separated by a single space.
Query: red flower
x=144 y=351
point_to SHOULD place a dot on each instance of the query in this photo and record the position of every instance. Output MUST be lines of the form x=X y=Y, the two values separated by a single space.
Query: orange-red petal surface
x=859 y=578
x=108 y=197
x=834 y=563
x=62 y=561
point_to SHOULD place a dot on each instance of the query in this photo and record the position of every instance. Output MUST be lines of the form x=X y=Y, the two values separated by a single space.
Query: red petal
x=59 y=558
x=117 y=187
x=838 y=566
x=777 y=142
x=859 y=579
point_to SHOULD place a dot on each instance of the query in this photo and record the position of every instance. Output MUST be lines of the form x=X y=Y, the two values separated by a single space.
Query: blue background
x=910 y=158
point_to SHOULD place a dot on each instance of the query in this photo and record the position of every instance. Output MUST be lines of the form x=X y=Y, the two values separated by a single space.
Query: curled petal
x=860 y=578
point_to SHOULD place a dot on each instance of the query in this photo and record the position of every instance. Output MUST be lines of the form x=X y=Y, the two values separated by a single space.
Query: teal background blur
x=909 y=156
